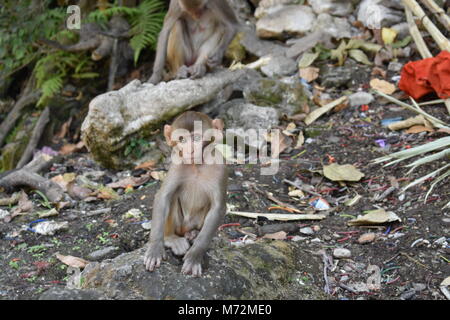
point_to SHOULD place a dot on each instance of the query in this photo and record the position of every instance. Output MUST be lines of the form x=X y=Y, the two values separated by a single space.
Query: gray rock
x=70 y=294
x=376 y=14
x=105 y=253
x=340 y=253
x=116 y=118
x=291 y=19
x=279 y=66
x=395 y=66
x=288 y=95
x=266 y=7
x=307 y=231
x=259 y=47
x=261 y=270
x=360 y=98
x=337 y=28
x=334 y=7
x=240 y=116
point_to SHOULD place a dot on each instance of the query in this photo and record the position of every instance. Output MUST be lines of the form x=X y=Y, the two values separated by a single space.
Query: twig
x=435 y=121
x=438 y=12
x=417 y=37
x=35 y=137
x=300 y=187
x=24 y=178
x=279 y=216
x=441 y=40
x=313 y=116
x=413 y=260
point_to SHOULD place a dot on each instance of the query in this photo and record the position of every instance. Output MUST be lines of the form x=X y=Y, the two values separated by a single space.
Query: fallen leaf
x=24 y=205
x=359 y=56
x=300 y=140
x=307 y=59
x=374 y=217
x=418 y=129
x=281 y=235
x=147 y=165
x=72 y=261
x=77 y=192
x=382 y=86
x=107 y=193
x=309 y=74
x=64 y=179
x=388 y=35
x=48 y=213
x=346 y=172
x=129 y=181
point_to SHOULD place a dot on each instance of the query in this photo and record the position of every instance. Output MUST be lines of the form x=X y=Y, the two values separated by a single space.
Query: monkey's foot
x=183 y=72
x=191 y=235
x=179 y=245
x=191 y=267
x=197 y=70
x=155 y=79
x=153 y=256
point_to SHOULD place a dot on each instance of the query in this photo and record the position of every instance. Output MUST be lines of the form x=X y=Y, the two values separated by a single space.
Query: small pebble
x=307 y=231
x=298 y=238
x=408 y=294
x=419 y=287
x=366 y=238
x=316 y=228
x=341 y=253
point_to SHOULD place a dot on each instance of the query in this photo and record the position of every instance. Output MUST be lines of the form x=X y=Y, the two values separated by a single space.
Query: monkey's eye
x=182 y=139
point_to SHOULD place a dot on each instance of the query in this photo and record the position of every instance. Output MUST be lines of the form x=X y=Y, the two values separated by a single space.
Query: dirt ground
x=410 y=268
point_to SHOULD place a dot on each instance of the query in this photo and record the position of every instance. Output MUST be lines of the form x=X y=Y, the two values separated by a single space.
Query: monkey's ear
x=168 y=135
x=218 y=124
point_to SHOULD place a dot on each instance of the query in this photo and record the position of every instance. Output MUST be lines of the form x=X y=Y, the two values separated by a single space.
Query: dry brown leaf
x=300 y=140
x=72 y=261
x=71 y=148
x=64 y=129
x=418 y=129
x=382 y=86
x=444 y=130
x=147 y=165
x=129 y=181
x=63 y=180
x=77 y=192
x=24 y=205
x=280 y=235
x=309 y=73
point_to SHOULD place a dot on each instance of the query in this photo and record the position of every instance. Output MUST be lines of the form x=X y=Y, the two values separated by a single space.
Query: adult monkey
x=191 y=202
x=194 y=37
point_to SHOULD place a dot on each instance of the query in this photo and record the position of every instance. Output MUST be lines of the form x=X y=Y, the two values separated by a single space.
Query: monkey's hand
x=197 y=70
x=192 y=263
x=215 y=60
x=153 y=256
x=155 y=78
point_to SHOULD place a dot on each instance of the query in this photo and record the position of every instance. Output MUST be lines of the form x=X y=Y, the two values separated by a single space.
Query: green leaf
x=359 y=56
x=308 y=59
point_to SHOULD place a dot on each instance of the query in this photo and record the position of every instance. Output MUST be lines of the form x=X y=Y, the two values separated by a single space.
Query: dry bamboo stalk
x=441 y=41
x=438 y=12
x=417 y=37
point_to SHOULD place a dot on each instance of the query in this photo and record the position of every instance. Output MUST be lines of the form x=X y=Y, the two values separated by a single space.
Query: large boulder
x=262 y=270
x=119 y=121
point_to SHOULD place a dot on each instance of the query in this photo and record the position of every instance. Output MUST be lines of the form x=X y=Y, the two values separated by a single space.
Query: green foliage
x=146 y=21
x=20 y=27
x=52 y=70
x=135 y=147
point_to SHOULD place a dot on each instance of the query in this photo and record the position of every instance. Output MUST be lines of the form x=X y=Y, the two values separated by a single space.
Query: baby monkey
x=191 y=203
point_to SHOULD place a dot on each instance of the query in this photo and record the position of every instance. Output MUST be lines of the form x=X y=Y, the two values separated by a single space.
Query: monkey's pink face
x=194 y=8
x=190 y=147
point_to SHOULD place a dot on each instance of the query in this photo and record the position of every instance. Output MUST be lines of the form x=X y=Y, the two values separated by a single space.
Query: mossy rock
x=290 y=97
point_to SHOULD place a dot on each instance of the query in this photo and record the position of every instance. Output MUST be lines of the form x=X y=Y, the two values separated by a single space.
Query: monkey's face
x=194 y=8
